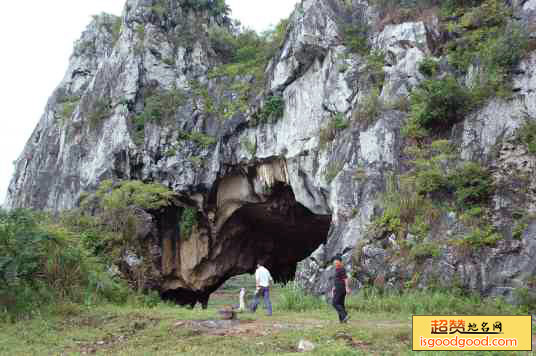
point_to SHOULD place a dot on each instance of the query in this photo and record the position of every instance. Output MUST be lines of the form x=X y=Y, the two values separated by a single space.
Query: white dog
x=242 y=299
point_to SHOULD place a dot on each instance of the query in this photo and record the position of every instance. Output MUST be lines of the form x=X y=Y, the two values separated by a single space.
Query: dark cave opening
x=280 y=232
x=277 y=233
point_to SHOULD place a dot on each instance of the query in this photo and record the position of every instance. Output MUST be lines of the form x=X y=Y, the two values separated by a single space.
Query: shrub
x=294 y=298
x=369 y=108
x=332 y=170
x=424 y=250
x=199 y=138
x=139 y=129
x=273 y=109
x=375 y=61
x=428 y=67
x=486 y=37
x=249 y=146
x=480 y=237
x=160 y=107
x=43 y=263
x=214 y=7
x=187 y=221
x=431 y=180
x=101 y=110
x=118 y=203
x=68 y=106
x=527 y=134
x=355 y=37
x=473 y=185
x=437 y=104
x=336 y=124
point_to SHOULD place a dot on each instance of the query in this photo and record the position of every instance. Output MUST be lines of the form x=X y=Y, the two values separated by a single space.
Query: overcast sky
x=37 y=37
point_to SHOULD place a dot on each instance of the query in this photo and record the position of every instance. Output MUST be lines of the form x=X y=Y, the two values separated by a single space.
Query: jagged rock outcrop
x=268 y=192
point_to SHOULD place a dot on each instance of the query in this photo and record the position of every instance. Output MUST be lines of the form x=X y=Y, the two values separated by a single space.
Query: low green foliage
x=216 y=8
x=140 y=34
x=473 y=185
x=429 y=302
x=198 y=138
x=424 y=250
x=332 y=170
x=171 y=152
x=139 y=129
x=125 y=194
x=336 y=124
x=428 y=67
x=292 y=297
x=118 y=204
x=249 y=146
x=68 y=106
x=481 y=237
x=487 y=36
x=374 y=68
x=196 y=161
x=161 y=106
x=527 y=135
x=369 y=108
x=245 y=55
x=519 y=229
x=42 y=263
x=436 y=105
x=101 y=110
x=272 y=110
x=355 y=37
x=187 y=221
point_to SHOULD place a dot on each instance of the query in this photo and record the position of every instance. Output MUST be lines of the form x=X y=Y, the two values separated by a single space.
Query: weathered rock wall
x=340 y=181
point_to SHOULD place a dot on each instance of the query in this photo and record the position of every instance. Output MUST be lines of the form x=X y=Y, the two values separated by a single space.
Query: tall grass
x=409 y=302
x=433 y=302
x=293 y=297
x=42 y=263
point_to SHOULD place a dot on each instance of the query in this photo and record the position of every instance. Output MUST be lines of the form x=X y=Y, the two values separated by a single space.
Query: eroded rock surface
x=290 y=198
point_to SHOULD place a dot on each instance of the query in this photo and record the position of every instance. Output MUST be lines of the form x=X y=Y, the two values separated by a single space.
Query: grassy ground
x=380 y=325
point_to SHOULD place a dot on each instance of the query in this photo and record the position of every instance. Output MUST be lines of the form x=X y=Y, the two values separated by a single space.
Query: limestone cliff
x=273 y=191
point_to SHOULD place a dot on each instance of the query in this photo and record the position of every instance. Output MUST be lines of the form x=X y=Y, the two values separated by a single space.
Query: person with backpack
x=340 y=289
x=263 y=280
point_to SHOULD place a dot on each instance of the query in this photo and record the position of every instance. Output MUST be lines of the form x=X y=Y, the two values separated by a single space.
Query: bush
x=438 y=104
x=273 y=109
x=369 y=108
x=294 y=298
x=473 y=185
x=214 y=7
x=43 y=263
x=101 y=110
x=332 y=170
x=160 y=107
x=428 y=67
x=336 y=124
x=355 y=38
x=199 y=138
x=486 y=37
x=187 y=221
x=480 y=237
x=249 y=146
x=527 y=134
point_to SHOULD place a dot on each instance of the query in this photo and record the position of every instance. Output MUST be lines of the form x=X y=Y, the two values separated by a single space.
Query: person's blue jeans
x=265 y=292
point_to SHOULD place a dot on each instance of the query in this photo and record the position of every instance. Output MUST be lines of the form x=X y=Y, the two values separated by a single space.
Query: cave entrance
x=275 y=231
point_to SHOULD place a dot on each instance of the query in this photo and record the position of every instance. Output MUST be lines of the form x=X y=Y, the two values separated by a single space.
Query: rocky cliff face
x=274 y=191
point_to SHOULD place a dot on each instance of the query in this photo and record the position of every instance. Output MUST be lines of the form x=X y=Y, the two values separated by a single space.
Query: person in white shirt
x=263 y=280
